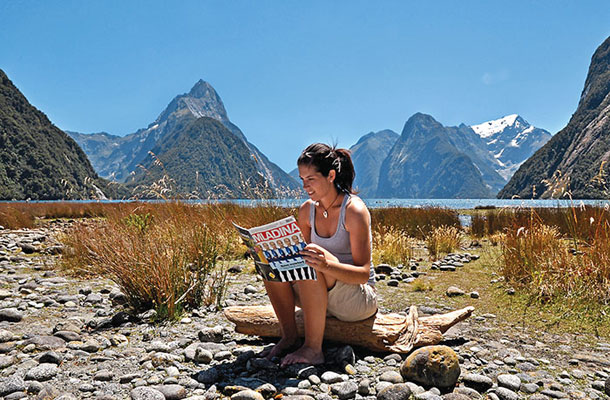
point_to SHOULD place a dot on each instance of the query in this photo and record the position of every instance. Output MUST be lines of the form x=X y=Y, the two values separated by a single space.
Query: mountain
x=424 y=163
x=576 y=158
x=367 y=155
x=203 y=159
x=468 y=142
x=121 y=156
x=38 y=160
x=511 y=140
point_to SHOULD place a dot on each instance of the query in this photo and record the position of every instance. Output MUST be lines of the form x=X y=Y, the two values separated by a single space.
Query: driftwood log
x=382 y=332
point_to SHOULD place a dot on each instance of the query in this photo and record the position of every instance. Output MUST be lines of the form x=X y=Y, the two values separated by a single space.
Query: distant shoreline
x=458 y=204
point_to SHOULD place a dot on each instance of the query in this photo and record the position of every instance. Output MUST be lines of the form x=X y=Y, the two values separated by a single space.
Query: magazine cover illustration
x=275 y=249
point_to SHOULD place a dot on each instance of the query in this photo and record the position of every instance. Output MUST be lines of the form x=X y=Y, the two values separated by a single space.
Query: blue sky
x=294 y=72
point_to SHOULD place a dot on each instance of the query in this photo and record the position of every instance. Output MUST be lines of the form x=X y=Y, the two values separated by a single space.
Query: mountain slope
x=37 y=159
x=367 y=155
x=576 y=158
x=511 y=140
x=201 y=101
x=468 y=142
x=203 y=159
x=423 y=163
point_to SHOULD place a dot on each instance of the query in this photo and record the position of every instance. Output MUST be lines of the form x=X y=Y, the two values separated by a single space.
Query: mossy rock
x=432 y=366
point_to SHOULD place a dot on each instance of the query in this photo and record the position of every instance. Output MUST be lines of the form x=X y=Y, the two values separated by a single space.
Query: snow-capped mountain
x=511 y=140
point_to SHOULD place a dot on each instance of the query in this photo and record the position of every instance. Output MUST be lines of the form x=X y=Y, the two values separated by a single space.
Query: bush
x=165 y=256
x=392 y=247
x=538 y=258
x=444 y=239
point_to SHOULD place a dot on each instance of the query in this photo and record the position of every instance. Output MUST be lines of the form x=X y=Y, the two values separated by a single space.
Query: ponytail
x=325 y=158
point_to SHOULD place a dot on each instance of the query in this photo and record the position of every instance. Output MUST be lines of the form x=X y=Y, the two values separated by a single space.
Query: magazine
x=275 y=249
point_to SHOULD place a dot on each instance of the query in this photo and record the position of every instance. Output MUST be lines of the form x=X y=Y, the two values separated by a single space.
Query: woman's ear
x=332 y=174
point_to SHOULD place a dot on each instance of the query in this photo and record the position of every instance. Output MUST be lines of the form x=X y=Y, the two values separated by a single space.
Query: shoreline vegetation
x=541 y=268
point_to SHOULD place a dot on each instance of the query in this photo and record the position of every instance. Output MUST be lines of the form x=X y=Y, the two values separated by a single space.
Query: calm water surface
x=384 y=203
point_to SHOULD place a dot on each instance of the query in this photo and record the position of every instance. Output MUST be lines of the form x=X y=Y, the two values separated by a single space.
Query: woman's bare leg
x=313 y=296
x=282 y=299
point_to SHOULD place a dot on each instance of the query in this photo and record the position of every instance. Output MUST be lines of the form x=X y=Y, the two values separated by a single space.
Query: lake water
x=384 y=203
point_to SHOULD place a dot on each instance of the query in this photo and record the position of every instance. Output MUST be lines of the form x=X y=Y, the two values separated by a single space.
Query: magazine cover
x=275 y=249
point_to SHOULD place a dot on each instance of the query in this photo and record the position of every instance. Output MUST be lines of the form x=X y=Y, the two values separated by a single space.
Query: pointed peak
x=492 y=127
x=202 y=89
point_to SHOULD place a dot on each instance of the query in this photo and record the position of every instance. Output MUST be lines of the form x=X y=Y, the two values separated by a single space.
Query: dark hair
x=325 y=158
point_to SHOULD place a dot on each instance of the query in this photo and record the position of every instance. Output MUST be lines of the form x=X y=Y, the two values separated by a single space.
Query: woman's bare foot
x=283 y=345
x=304 y=355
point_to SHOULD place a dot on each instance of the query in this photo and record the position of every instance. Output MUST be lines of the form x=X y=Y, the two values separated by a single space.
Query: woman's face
x=315 y=184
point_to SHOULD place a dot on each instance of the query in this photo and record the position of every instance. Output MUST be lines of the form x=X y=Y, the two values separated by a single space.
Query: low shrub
x=392 y=246
x=444 y=239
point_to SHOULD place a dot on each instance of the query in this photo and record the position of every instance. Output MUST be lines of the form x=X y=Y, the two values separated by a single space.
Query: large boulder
x=432 y=366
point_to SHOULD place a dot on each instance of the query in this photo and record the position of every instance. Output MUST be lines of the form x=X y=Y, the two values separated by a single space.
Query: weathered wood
x=381 y=332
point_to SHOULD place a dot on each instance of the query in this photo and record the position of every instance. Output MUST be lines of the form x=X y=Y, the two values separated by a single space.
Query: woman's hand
x=317 y=257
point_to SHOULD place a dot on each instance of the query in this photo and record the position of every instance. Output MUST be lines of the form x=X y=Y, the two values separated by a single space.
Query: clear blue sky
x=294 y=72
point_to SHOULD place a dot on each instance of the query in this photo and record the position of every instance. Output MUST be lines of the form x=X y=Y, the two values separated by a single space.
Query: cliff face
x=424 y=163
x=120 y=157
x=200 y=159
x=576 y=158
x=367 y=156
x=38 y=160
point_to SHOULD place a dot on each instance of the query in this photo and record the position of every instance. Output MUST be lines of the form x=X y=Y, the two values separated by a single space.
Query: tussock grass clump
x=538 y=258
x=414 y=222
x=392 y=246
x=14 y=218
x=420 y=285
x=577 y=223
x=163 y=256
x=444 y=239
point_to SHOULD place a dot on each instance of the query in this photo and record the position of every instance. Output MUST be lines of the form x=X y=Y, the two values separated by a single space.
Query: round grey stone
x=529 y=388
x=454 y=291
x=7 y=361
x=5 y=336
x=399 y=391
x=391 y=376
x=364 y=387
x=11 y=384
x=506 y=394
x=247 y=394
x=10 y=315
x=512 y=382
x=103 y=375
x=344 y=390
x=42 y=372
x=478 y=382
x=209 y=375
x=331 y=377
x=51 y=357
x=172 y=391
x=43 y=342
x=146 y=393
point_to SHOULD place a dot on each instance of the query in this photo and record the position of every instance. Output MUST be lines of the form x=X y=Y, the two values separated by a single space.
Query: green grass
x=521 y=310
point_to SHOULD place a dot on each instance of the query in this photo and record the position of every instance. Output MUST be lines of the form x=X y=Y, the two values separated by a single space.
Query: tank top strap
x=342 y=212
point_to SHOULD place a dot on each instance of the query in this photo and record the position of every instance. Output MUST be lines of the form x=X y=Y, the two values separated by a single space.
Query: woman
x=337 y=227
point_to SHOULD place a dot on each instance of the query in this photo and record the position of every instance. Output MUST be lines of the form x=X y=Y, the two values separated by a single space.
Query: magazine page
x=275 y=249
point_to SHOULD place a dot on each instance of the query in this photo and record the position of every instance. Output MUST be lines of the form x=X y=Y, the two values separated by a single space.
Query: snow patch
x=486 y=129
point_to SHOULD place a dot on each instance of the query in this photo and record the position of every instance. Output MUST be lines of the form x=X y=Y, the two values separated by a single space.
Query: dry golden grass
x=392 y=246
x=538 y=258
x=443 y=240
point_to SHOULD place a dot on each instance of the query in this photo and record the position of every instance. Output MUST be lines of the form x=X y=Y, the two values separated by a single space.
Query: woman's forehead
x=308 y=170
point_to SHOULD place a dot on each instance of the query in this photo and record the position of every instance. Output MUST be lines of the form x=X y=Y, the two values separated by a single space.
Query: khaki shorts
x=348 y=302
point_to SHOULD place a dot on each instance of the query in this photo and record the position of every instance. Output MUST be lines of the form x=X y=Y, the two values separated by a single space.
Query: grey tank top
x=338 y=244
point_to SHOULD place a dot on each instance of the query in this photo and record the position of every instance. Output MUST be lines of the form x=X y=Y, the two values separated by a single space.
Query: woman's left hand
x=317 y=257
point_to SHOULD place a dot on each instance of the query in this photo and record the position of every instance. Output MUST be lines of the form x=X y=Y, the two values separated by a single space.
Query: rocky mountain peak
x=490 y=128
x=420 y=122
x=201 y=101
